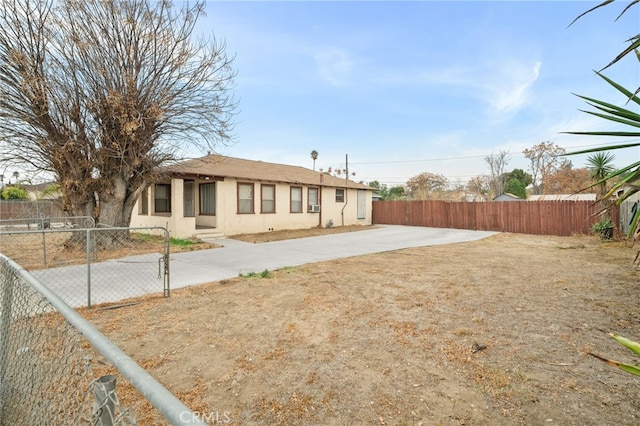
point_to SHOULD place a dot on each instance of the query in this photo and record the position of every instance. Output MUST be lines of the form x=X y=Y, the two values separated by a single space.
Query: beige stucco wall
x=229 y=222
x=178 y=225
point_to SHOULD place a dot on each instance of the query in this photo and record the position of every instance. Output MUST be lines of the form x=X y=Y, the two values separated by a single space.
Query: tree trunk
x=112 y=204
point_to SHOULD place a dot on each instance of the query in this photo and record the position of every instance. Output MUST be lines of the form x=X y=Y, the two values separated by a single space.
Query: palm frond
x=604 y=3
x=633 y=46
x=608 y=133
x=630 y=95
x=600 y=148
x=627 y=8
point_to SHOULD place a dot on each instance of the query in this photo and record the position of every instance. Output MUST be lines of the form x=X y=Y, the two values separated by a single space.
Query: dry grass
x=30 y=250
x=265 y=237
x=389 y=338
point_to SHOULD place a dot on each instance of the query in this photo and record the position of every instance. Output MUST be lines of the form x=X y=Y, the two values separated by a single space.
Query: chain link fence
x=89 y=266
x=47 y=222
x=48 y=357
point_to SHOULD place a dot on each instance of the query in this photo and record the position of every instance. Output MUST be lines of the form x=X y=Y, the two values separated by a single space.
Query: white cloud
x=505 y=86
x=511 y=89
x=334 y=66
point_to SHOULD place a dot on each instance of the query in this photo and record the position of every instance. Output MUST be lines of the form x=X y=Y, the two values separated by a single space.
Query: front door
x=362 y=204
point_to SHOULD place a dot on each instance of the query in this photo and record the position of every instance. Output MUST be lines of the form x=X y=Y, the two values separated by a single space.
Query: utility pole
x=346 y=186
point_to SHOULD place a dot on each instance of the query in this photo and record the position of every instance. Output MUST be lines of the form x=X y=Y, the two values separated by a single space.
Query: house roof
x=562 y=197
x=507 y=196
x=221 y=166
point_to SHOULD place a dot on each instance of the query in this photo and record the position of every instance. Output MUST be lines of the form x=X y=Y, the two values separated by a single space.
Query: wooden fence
x=19 y=209
x=526 y=217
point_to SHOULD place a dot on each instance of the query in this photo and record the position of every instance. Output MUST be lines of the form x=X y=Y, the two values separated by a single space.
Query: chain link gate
x=91 y=266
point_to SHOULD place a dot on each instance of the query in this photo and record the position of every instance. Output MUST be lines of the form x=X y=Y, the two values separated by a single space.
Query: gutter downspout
x=320 y=200
x=346 y=186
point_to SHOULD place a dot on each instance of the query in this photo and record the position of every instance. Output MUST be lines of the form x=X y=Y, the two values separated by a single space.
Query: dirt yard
x=489 y=332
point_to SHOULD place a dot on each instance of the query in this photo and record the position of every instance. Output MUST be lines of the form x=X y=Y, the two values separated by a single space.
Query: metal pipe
x=88 y=254
x=44 y=248
x=346 y=186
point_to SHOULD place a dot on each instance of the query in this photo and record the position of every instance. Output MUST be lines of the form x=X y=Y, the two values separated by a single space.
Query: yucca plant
x=628 y=182
x=628 y=177
x=629 y=344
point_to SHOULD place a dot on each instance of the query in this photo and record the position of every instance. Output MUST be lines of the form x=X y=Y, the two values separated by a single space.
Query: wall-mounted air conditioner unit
x=314 y=208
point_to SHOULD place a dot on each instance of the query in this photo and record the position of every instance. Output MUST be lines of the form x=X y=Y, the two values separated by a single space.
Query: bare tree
x=479 y=185
x=103 y=93
x=544 y=161
x=497 y=163
x=426 y=186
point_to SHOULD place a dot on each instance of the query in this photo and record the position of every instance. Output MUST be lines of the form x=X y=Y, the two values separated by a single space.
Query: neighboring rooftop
x=562 y=197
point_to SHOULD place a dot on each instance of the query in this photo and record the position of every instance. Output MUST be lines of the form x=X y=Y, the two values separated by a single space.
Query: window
x=296 y=199
x=312 y=197
x=143 y=203
x=245 y=198
x=339 y=195
x=208 y=199
x=162 y=198
x=268 y=199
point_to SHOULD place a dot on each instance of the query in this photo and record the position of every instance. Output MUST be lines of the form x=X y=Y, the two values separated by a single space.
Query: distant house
x=508 y=197
x=43 y=191
x=228 y=196
x=464 y=196
x=562 y=197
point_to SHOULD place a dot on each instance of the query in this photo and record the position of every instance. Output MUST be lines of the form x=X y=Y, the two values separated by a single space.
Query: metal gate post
x=88 y=243
x=104 y=391
x=167 y=241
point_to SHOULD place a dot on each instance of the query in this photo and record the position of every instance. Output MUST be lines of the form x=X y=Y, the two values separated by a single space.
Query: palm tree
x=600 y=165
x=314 y=157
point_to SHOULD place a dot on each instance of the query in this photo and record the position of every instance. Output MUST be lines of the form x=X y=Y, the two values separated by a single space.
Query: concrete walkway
x=133 y=276
x=238 y=257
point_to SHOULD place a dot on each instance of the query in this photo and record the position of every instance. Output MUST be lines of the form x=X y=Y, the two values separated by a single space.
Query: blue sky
x=425 y=86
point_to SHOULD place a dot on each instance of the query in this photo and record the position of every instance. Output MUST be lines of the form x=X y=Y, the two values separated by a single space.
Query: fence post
x=167 y=275
x=44 y=247
x=104 y=391
x=88 y=243
x=6 y=299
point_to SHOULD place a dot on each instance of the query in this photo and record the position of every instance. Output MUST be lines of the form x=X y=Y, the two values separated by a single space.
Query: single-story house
x=224 y=196
x=505 y=196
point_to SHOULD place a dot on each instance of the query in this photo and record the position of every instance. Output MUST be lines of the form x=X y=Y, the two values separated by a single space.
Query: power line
x=617 y=142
